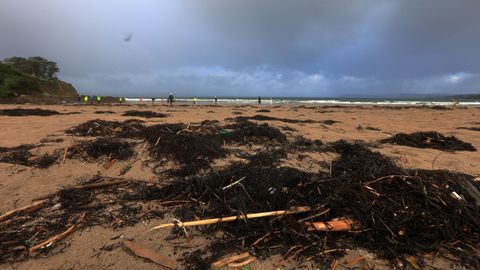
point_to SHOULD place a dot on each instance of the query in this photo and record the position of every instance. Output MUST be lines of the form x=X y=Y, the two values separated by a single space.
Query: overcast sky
x=249 y=47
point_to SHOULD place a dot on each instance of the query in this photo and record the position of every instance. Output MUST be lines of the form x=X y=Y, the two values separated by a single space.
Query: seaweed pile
x=430 y=139
x=104 y=112
x=193 y=147
x=103 y=147
x=128 y=129
x=145 y=114
x=27 y=112
x=113 y=203
x=260 y=117
x=21 y=155
x=470 y=128
x=249 y=132
x=396 y=212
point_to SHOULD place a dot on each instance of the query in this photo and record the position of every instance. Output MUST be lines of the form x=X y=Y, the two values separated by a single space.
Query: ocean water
x=315 y=101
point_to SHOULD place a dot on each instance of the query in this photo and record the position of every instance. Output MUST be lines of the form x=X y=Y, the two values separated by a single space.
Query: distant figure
x=79 y=98
x=98 y=99
x=194 y=101
x=141 y=100
x=170 y=99
x=92 y=99
x=153 y=100
x=85 y=99
x=216 y=100
x=120 y=100
x=259 y=100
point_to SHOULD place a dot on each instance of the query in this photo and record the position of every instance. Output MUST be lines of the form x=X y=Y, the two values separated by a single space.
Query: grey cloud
x=302 y=47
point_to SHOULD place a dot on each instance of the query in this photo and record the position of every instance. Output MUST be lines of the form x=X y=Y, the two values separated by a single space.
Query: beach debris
x=470 y=128
x=21 y=155
x=234 y=261
x=145 y=114
x=249 y=132
x=260 y=117
x=430 y=139
x=104 y=112
x=263 y=110
x=102 y=147
x=193 y=147
x=128 y=129
x=294 y=210
x=149 y=254
x=28 y=112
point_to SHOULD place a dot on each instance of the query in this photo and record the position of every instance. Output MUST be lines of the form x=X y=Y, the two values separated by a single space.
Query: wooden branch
x=294 y=210
x=58 y=236
x=29 y=208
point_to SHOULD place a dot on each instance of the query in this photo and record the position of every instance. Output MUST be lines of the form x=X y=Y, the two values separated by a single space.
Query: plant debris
x=103 y=147
x=21 y=155
x=28 y=112
x=128 y=129
x=430 y=139
x=104 y=112
x=193 y=147
x=145 y=114
x=260 y=117
x=249 y=132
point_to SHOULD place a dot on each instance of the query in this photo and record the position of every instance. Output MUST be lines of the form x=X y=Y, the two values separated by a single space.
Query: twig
x=57 y=237
x=234 y=218
x=233 y=184
x=29 y=208
x=227 y=260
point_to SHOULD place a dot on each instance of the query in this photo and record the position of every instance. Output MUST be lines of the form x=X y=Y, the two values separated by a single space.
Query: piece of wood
x=240 y=264
x=57 y=237
x=233 y=218
x=26 y=209
x=332 y=225
x=225 y=261
x=149 y=254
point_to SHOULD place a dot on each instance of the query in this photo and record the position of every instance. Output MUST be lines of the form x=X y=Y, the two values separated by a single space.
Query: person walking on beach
x=153 y=100
x=170 y=99
x=259 y=100
x=98 y=99
x=216 y=100
x=194 y=101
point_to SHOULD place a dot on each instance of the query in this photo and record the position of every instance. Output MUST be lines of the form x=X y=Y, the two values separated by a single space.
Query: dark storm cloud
x=302 y=47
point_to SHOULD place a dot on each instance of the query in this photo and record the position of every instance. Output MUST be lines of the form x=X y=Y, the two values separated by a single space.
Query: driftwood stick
x=240 y=264
x=224 y=261
x=58 y=236
x=294 y=210
x=29 y=208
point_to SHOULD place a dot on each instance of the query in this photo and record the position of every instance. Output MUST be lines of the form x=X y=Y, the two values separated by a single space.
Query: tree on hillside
x=36 y=66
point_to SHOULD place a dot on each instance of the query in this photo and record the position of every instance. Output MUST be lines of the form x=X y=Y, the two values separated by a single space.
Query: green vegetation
x=32 y=77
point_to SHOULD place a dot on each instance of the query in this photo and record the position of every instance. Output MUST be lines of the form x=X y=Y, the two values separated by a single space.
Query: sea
x=315 y=101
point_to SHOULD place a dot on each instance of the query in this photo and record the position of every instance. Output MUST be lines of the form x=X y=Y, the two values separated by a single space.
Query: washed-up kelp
x=127 y=129
x=27 y=112
x=103 y=147
x=396 y=212
x=249 y=132
x=21 y=155
x=260 y=117
x=430 y=139
x=145 y=114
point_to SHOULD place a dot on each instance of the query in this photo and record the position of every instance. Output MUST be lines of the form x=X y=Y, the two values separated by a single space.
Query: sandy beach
x=97 y=247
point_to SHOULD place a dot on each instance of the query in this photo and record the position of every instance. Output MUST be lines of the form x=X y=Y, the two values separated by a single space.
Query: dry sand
x=83 y=250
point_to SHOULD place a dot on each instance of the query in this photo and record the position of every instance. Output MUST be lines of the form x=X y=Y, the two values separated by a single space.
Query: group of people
x=170 y=99
x=87 y=99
